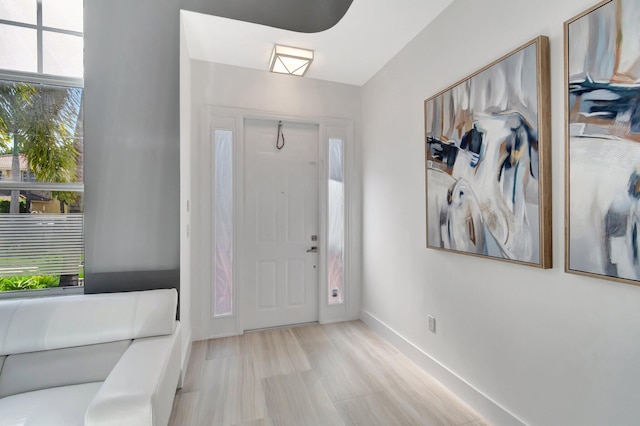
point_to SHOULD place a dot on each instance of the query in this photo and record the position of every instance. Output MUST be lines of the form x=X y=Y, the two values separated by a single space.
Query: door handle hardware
x=313 y=249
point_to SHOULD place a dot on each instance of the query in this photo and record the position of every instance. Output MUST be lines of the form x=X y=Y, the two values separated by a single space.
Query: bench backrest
x=32 y=325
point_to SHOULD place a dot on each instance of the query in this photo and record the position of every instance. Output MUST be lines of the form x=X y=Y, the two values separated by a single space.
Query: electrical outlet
x=432 y=324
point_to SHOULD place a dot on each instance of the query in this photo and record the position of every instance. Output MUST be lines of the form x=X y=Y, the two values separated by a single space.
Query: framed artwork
x=602 y=101
x=488 y=164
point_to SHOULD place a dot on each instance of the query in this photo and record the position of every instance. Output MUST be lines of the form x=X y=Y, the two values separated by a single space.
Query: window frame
x=40 y=29
x=232 y=224
x=40 y=77
x=42 y=186
x=343 y=221
x=342 y=129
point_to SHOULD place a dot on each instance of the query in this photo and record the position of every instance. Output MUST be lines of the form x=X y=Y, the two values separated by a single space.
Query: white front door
x=281 y=217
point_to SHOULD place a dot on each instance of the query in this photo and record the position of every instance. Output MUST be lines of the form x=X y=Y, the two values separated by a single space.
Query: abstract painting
x=602 y=206
x=487 y=161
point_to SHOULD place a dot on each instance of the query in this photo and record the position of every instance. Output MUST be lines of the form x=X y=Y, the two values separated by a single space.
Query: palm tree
x=39 y=121
x=14 y=99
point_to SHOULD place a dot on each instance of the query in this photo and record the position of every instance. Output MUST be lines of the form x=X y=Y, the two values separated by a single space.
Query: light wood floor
x=326 y=375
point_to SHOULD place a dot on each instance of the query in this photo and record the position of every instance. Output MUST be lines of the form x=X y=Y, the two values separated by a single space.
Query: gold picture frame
x=488 y=163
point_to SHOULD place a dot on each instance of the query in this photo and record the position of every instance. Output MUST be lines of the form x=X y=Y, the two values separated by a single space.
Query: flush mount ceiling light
x=290 y=60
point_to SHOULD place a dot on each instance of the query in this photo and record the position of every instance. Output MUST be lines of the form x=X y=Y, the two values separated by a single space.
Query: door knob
x=313 y=249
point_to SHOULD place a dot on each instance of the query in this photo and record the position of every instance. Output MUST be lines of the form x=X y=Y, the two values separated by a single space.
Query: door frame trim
x=328 y=127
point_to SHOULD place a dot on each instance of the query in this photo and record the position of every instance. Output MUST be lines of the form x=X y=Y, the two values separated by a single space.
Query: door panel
x=281 y=215
x=296 y=279
x=266 y=284
x=267 y=209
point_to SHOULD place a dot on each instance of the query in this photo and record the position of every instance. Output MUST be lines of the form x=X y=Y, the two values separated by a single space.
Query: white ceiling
x=370 y=34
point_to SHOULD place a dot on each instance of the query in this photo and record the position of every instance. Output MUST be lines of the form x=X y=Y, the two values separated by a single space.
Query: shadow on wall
x=293 y=15
x=125 y=281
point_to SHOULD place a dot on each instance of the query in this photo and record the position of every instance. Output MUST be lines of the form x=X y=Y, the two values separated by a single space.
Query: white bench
x=89 y=359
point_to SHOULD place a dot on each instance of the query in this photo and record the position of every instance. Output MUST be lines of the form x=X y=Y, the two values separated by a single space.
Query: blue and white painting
x=604 y=141
x=483 y=162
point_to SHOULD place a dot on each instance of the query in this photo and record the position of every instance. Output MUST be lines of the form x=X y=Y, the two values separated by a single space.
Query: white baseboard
x=484 y=405
x=335 y=320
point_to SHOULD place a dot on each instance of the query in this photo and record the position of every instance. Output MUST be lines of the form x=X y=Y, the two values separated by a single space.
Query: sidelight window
x=223 y=223
x=335 y=249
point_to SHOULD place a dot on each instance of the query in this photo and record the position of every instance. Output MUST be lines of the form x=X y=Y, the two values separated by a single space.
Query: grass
x=33 y=282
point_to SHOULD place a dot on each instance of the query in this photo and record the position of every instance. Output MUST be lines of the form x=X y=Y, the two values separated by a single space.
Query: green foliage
x=14 y=104
x=48 y=280
x=6 y=204
x=18 y=283
x=48 y=136
x=34 y=282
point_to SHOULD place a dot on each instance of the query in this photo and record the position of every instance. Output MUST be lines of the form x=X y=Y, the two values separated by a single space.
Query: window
x=223 y=222
x=335 y=248
x=42 y=37
x=41 y=144
x=28 y=176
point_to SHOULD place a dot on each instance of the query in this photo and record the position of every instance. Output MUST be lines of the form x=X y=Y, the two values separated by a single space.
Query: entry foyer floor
x=325 y=375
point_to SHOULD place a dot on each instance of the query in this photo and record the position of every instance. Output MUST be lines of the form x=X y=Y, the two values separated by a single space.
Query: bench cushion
x=59 y=367
x=64 y=406
x=31 y=325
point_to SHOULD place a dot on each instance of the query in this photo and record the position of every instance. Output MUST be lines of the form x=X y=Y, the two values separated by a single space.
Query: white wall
x=551 y=348
x=279 y=95
x=235 y=87
x=131 y=136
